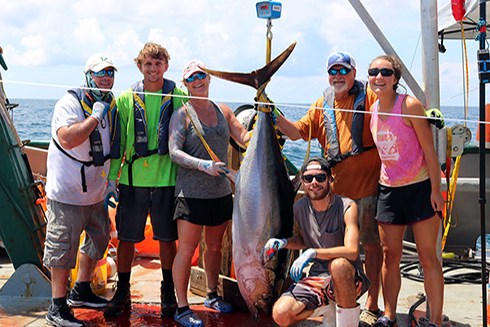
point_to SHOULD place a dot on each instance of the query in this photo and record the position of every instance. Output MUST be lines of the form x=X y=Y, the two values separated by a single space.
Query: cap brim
x=98 y=68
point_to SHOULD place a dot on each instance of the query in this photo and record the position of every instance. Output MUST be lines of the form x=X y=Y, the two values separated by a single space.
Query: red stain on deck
x=149 y=315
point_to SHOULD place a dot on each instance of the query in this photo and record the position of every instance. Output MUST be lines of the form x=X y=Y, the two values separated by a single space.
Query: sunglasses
x=386 y=72
x=193 y=77
x=110 y=73
x=342 y=71
x=320 y=178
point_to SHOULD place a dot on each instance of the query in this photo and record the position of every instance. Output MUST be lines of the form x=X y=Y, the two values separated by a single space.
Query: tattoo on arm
x=178 y=126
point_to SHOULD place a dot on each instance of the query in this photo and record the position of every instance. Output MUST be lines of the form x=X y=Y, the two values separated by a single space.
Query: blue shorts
x=404 y=205
x=135 y=203
x=205 y=212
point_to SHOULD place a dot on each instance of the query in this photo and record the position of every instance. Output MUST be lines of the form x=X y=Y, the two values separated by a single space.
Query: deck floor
x=463 y=304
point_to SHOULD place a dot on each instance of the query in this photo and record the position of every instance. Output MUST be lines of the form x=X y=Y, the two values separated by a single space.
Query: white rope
x=306 y=107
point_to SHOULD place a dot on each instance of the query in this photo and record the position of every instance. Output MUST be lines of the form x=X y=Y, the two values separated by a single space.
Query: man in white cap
x=83 y=129
x=147 y=176
x=350 y=150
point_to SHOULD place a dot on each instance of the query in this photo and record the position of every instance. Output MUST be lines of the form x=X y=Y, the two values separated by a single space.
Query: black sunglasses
x=320 y=178
x=384 y=72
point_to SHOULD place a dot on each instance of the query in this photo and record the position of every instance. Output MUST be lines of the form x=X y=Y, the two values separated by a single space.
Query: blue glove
x=274 y=244
x=99 y=110
x=111 y=191
x=300 y=263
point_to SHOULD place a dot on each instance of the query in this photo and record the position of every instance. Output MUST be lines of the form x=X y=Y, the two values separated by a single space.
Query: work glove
x=213 y=168
x=111 y=191
x=99 y=110
x=435 y=113
x=300 y=263
x=274 y=244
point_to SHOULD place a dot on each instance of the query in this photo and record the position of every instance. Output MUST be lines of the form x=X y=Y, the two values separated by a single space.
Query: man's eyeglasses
x=320 y=178
x=342 y=71
x=386 y=72
x=193 y=77
x=110 y=73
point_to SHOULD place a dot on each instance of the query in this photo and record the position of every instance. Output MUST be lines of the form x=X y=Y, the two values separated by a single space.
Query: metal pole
x=482 y=200
x=387 y=48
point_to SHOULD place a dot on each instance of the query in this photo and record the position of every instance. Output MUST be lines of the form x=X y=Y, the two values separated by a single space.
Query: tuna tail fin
x=257 y=78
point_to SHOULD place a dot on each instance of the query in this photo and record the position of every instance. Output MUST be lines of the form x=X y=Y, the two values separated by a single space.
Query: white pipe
x=430 y=51
x=387 y=48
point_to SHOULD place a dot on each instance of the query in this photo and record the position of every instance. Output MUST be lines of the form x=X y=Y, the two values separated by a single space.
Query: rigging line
x=415 y=51
x=459 y=94
x=306 y=107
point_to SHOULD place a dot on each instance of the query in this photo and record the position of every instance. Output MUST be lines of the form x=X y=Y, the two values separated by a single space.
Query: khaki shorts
x=368 y=230
x=65 y=224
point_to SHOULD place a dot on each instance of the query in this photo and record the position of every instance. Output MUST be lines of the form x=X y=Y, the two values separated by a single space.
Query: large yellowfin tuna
x=263 y=205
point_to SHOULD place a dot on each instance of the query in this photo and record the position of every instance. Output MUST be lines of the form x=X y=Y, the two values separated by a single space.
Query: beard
x=340 y=87
x=319 y=195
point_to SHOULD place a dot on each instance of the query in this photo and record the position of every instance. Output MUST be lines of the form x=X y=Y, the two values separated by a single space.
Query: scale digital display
x=269 y=9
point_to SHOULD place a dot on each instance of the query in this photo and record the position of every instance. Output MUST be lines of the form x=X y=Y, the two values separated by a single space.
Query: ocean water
x=32 y=119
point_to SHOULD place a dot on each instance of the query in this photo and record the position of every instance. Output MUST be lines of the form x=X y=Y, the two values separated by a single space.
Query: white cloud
x=225 y=34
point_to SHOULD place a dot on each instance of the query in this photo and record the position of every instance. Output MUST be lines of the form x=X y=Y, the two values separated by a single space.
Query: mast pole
x=481 y=199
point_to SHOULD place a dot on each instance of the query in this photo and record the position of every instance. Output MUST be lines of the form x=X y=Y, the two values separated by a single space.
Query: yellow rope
x=451 y=189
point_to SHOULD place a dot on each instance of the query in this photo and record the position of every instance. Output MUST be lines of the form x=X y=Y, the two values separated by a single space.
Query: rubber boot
x=329 y=319
x=120 y=302
x=348 y=317
x=167 y=298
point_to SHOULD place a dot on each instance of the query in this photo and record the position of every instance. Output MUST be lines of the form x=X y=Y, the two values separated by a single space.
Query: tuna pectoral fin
x=256 y=78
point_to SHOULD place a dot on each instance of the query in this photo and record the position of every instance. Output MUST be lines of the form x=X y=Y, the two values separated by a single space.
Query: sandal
x=217 y=303
x=384 y=321
x=368 y=318
x=188 y=319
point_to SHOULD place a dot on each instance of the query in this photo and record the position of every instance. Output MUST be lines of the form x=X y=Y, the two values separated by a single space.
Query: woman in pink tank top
x=409 y=187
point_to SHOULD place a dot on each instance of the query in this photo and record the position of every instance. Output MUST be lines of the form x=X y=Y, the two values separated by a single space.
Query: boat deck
x=463 y=304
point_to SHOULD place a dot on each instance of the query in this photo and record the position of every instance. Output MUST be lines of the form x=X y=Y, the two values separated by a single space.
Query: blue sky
x=48 y=42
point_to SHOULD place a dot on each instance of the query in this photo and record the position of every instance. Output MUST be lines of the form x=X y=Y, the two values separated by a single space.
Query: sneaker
x=120 y=301
x=217 y=303
x=89 y=300
x=62 y=317
x=384 y=321
x=368 y=318
x=168 y=300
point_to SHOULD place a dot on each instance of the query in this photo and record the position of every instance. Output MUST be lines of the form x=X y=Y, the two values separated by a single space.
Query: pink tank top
x=402 y=158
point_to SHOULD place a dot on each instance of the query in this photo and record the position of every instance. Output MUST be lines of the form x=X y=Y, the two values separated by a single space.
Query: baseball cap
x=98 y=62
x=341 y=58
x=324 y=165
x=192 y=67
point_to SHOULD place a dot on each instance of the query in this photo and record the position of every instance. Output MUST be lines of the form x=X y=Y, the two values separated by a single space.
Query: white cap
x=98 y=62
x=192 y=67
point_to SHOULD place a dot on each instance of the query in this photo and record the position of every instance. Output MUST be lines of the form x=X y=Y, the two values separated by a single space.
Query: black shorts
x=205 y=212
x=134 y=206
x=405 y=205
